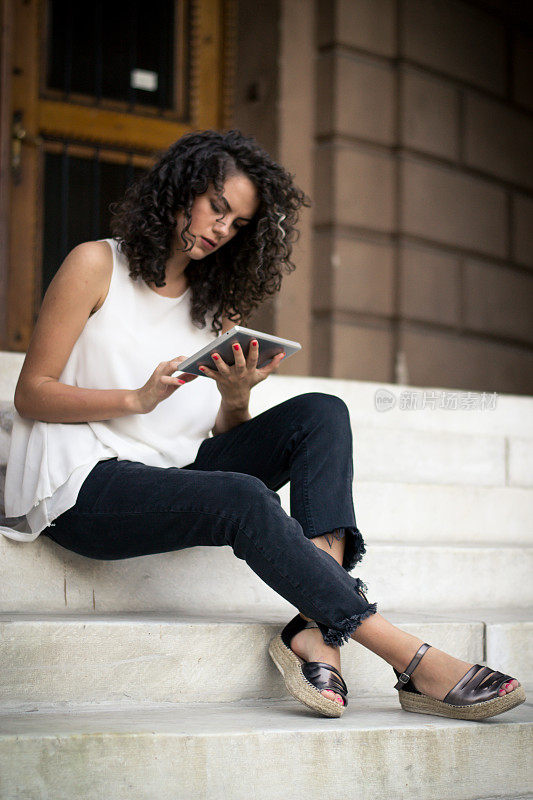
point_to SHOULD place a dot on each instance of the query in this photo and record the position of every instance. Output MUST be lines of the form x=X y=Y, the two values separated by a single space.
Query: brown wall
x=421 y=246
x=274 y=101
x=256 y=93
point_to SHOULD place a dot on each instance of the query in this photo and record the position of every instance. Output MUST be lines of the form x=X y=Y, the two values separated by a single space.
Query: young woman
x=111 y=455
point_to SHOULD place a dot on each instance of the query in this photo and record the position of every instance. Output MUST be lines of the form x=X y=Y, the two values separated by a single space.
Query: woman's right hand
x=160 y=385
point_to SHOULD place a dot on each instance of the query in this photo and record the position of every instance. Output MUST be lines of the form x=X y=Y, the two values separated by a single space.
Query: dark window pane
x=52 y=215
x=76 y=204
x=79 y=217
x=121 y=50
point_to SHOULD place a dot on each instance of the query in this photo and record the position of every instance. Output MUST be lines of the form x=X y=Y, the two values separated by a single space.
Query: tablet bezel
x=244 y=336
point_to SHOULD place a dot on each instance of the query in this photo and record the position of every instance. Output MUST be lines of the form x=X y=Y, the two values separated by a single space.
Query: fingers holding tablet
x=243 y=373
x=253 y=353
x=235 y=347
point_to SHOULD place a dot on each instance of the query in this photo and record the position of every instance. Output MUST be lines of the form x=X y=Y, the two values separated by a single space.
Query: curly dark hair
x=235 y=279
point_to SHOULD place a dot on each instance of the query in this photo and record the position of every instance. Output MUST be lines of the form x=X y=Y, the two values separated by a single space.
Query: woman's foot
x=434 y=676
x=309 y=645
x=438 y=672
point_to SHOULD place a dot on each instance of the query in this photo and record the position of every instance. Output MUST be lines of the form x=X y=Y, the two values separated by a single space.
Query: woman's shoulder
x=95 y=257
x=97 y=253
x=92 y=262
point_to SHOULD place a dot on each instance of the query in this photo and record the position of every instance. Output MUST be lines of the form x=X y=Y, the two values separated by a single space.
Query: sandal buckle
x=404 y=678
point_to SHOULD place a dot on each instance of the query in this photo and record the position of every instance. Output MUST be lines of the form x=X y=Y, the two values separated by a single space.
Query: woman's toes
x=332 y=696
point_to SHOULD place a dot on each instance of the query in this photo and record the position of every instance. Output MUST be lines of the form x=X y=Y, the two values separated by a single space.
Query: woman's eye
x=215 y=208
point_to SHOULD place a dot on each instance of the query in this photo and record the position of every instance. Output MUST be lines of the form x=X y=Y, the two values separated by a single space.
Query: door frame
x=212 y=43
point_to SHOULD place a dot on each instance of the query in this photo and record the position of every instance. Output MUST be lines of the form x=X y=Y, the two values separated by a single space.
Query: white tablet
x=269 y=346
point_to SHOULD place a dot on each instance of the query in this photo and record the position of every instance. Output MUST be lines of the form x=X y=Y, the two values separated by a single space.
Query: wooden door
x=93 y=91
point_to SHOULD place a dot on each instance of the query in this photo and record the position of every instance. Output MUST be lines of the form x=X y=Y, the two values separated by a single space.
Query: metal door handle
x=19 y=134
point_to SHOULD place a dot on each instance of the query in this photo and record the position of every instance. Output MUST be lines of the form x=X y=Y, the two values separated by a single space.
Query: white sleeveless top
x=119 y=348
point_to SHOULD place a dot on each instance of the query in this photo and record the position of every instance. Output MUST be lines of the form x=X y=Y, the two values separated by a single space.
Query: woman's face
x=216 y=220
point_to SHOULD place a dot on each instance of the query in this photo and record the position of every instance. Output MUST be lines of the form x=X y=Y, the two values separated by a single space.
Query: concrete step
x=411 y=456
x=10 y=366
x=488 y=447
x=159 y=658
x=211 y=580
x=269 y=750
x=506 y=414
x=435 y=577
x=509 y=415
x=420 y=456
x=409 y=512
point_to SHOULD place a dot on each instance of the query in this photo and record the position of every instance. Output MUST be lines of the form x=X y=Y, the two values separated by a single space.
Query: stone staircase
x=149 y=678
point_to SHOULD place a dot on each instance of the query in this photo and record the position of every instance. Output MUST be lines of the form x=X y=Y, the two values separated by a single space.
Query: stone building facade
x=410 y=125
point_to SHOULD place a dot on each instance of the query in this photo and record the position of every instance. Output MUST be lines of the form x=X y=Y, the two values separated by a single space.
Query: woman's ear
x=227 y=324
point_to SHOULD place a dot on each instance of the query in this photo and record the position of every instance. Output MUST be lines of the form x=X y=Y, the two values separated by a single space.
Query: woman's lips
x=207 y=243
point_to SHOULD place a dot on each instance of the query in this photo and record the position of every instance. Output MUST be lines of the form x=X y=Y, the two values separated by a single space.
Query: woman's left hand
x=235 y=382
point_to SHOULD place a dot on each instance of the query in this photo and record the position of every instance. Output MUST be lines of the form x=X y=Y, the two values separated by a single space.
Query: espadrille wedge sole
x=474 y=697
x=297 y=684
x=421 y=704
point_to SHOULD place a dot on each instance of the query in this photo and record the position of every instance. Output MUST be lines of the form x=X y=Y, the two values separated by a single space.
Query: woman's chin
x=198 y=252
x=197 y=255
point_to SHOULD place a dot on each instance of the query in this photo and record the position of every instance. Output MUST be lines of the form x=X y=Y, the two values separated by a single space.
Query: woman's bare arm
x=76 y=289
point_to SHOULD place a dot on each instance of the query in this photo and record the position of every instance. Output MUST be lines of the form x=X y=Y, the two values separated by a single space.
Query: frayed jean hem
x=354 y=549
x=337 y=636
x=341 y=633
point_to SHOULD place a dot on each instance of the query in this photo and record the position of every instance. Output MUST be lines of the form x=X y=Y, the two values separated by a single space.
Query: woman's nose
x=220 y=227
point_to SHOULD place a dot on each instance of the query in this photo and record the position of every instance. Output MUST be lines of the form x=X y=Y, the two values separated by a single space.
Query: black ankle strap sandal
x=472 y=697
x=305 y=681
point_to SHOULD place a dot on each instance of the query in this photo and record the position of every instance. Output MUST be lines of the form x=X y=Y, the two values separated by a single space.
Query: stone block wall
x=256 y=93
x=423 y=222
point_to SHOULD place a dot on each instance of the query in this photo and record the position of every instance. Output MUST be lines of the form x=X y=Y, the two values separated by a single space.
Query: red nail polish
x=202 y=369
x=254 y=343
x=235 y=346
x=215 y=357
x=180 y=381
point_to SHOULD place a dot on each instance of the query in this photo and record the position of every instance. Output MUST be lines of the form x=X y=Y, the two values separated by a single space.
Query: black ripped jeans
x=228 y=497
